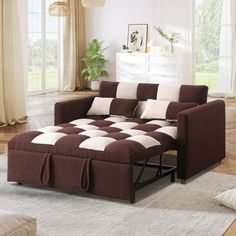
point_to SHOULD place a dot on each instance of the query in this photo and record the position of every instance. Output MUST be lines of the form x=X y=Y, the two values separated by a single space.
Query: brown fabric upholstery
x=175 y=107
x=147 y=91
x=108 y=89
x=107 y=178
x=193 y=93
x=123 y=107
x=70 y=110
x=201 y=138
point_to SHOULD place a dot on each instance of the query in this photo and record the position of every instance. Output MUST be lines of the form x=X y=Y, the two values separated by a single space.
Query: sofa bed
x=97 y=141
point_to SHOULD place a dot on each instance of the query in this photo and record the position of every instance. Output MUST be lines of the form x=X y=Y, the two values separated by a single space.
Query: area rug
x=161 y=209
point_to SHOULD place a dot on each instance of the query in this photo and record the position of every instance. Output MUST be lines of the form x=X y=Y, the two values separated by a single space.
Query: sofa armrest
x=200 y=138
x=73 y=109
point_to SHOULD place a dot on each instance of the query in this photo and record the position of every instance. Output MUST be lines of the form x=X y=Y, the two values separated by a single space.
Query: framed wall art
x=137 y=37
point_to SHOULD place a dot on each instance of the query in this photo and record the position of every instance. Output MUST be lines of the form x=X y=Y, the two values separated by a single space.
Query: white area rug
x=161 y=209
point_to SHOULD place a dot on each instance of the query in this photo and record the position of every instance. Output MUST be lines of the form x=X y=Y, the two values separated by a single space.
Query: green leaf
x=94 y=61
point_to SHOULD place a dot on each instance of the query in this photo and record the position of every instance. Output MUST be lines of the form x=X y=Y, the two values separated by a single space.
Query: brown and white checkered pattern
x=165 y=92
x=101 y=134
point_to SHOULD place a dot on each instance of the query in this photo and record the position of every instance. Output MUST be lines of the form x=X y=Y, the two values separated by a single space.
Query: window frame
x=43 y=69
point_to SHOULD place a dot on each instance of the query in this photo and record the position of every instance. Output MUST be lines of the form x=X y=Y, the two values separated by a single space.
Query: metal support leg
x=132 y=199
x=161 y=172
x=172 y=177
x=141 y=173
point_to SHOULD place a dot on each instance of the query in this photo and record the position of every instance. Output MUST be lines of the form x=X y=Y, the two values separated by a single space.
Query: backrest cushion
x=193 y=93
x=146 y=91
x=127 y=90
x=143 y=91
x=108 y=89
x=168 y=92
x=160 y=109
x=113 y=106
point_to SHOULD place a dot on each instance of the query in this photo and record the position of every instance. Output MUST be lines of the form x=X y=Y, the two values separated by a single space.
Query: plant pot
x=125 y=50
x=95 y=85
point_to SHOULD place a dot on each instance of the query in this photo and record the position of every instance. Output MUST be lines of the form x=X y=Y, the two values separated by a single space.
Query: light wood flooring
x=40 y=114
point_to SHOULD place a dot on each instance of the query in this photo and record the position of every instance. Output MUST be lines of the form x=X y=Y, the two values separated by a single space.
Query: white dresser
x=150 y=68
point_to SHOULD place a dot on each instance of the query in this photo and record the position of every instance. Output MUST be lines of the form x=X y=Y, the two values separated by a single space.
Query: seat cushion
x=113 y=139
x=17 y=224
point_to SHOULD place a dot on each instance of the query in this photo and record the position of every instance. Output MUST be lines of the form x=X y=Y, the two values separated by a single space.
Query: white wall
x=110 y=24
x=178 y=17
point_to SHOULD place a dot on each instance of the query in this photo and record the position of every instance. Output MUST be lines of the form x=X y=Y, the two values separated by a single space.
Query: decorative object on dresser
x=100 y=154
x=150 y=68
x=171 y=39
x=125 y=48
x=95 y=63
x=137 y=37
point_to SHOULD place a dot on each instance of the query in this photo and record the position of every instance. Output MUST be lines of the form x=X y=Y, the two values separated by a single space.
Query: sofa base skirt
x=71 y=174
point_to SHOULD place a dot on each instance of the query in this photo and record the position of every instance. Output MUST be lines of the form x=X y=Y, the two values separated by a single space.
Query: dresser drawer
x=149 y=68
x=132 y=68
x=163 y=60
x=163 y=69
x=125 y=77
x=133 y=59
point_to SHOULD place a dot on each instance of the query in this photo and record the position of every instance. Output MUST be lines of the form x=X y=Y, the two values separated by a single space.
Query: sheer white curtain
x=227 y=61
x=12 y=67
x=233 y=63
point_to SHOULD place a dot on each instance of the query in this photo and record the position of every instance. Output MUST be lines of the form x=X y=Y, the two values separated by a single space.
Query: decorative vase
x=171 y=48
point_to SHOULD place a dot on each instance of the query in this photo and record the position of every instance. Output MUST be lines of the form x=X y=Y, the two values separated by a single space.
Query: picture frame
x=137 y=37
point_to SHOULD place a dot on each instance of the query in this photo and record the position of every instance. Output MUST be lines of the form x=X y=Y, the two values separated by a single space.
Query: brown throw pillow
x=123 y=107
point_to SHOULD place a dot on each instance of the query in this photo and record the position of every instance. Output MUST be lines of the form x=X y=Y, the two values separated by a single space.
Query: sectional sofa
x=97 y=142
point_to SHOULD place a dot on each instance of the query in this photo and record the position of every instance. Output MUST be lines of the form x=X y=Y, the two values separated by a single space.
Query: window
x=43 y=48
x=213 y=29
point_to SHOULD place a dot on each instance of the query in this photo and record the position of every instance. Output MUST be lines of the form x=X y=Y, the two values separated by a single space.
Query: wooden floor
x=40 y=114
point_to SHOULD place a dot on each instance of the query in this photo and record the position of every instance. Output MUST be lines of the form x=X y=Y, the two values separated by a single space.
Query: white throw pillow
x=227 y=198
x=100 y=106
x=140 y=108
x=155 y=109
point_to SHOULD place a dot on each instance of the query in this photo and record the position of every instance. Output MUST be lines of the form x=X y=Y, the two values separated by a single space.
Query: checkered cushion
x=111 y=138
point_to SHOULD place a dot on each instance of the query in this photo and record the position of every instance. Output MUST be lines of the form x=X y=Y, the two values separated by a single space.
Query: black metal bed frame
x=161 y=172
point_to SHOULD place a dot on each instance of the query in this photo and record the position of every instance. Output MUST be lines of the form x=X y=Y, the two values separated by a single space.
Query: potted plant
x=94 y=62
x=172 y=38
x=125 y=48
